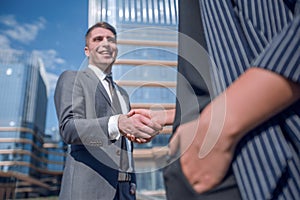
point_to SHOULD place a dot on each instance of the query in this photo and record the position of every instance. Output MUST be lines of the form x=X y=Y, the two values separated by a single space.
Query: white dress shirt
x=113 y=129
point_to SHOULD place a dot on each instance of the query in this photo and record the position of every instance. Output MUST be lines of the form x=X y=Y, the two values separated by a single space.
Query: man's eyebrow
x=101 y=37
x=104 y=36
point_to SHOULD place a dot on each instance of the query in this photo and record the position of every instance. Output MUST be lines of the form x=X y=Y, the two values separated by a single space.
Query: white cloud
x=25 y=33
x=4 y=42
x=52 y=79
x=7 y=53
x=50 y=58
x=22 y=32
x=13 y=30
x=60 y=61
x=8 y=20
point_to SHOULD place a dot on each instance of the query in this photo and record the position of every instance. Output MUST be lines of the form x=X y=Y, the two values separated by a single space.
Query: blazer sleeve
x=74 y=127
x=282 y=54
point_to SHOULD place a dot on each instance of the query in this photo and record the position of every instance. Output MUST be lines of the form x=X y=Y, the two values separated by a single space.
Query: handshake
x=141 y=125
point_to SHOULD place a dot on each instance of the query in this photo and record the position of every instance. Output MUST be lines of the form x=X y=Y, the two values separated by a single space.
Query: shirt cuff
x=113 y=129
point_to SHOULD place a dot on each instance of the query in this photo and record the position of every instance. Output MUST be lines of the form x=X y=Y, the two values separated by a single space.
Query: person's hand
x=206 y=151
x=158 y=117
x=138 y=128
x=163 y=117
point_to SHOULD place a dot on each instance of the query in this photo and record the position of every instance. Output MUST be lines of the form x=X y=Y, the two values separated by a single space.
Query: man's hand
x=202 y=171
x=158 y=119
x=207 y=144
x=162 y=117
x=138 y=128
x=205 y=147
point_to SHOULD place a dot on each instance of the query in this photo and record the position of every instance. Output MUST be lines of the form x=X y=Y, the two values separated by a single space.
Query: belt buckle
x=123 y=176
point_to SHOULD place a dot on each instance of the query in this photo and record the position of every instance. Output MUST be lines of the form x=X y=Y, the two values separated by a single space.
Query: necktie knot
x=109 y=79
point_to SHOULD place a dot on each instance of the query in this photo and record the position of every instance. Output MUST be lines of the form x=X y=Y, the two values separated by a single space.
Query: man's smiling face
x=101 y=48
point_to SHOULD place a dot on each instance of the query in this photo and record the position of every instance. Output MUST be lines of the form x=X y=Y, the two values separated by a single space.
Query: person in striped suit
x=245 y=143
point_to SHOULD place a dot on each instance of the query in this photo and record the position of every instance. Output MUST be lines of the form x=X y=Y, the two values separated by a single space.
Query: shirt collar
x=99 y=73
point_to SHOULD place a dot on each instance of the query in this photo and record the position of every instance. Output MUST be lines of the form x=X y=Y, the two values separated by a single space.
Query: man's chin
x=104 y=66
x=108 y=60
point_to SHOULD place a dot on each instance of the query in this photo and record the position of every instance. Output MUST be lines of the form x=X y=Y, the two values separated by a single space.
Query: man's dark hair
x=101 y=25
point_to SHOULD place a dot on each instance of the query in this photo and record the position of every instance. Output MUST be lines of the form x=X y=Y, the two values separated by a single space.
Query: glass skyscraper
x=27 y=159
x=146 y=67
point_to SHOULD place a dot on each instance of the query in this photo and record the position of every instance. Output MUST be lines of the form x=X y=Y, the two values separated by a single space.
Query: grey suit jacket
x=83 y=109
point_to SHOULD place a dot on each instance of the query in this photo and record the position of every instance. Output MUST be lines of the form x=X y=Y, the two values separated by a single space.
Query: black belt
x=124 y=177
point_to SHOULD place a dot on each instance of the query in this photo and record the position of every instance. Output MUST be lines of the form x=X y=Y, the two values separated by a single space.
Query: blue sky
x=53 y=29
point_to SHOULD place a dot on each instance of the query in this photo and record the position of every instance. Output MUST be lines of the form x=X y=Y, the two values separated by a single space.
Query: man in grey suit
x=91 y=111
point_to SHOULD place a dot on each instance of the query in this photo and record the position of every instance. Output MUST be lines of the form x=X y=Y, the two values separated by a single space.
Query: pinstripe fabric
x=265 y=34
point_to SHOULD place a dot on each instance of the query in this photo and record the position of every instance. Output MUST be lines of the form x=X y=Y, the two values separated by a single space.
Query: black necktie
x=115 y=103
x=116 y=108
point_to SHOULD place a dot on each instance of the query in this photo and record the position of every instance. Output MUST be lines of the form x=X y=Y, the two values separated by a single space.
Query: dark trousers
x=178 y=187
x=123 y=191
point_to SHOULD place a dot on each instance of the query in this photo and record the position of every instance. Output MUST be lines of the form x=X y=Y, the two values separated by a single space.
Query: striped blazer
x=265 y=34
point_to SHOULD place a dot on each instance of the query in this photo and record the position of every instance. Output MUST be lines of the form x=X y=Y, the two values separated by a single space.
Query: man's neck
x=105 y=69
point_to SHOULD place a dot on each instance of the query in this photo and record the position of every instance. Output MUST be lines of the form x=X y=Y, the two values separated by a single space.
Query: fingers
x=143 y=126
x=132 y=138
x=138 y=140
x=145 y=112
x=145 y=116
x=150 y=123
x=135 y=128
x=140 y=126
x=158 y=116
x=134 y=133
x=130 y=113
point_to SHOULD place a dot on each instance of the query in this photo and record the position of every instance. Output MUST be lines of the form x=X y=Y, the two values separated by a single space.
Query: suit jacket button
x=118 y=152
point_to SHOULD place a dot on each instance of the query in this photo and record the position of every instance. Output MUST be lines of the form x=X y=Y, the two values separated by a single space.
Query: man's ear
x=86 y=51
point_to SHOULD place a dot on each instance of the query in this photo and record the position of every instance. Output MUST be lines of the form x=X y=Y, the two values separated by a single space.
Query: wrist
x=113 y=129
x=221 y=131
x=170 y=117
x=122 y=120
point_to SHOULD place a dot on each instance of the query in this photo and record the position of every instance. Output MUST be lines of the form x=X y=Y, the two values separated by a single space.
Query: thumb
x=130 y=113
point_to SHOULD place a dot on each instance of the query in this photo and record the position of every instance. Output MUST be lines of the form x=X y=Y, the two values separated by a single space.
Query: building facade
x=29 y=163
x=147 y=68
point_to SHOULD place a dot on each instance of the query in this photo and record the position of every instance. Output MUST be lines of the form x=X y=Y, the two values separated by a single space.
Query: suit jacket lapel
x=102 y=90
x=124 y=95
x=95 y=79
